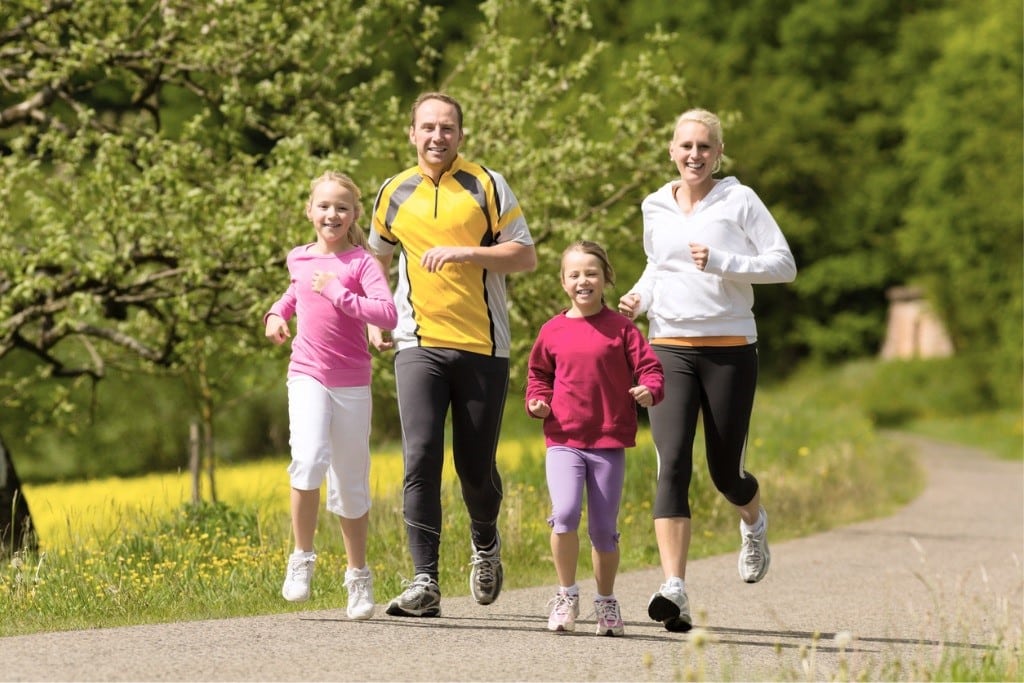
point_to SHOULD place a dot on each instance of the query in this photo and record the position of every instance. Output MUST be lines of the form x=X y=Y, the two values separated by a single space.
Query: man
x=461 y=230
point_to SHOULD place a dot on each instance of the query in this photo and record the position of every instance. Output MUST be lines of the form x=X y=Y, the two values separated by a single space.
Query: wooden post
x=193 y=460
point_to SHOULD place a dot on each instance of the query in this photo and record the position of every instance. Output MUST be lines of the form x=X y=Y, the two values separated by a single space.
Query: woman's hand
x=628 y=304
x=699 y=254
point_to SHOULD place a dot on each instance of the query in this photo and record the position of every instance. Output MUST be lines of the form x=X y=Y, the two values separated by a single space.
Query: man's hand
x=436 y=257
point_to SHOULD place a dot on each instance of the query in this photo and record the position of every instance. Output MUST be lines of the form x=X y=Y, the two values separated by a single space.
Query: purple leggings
x=603 y=471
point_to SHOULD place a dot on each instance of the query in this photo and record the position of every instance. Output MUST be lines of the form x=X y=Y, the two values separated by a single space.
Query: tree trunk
x=206 y=410
x=208 y=446
x=193 y=462
x=16 y=529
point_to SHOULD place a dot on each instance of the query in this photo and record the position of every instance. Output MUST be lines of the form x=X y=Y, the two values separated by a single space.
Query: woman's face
x=694 y=152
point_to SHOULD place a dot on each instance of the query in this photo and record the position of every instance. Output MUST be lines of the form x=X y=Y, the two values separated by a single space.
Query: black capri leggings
x=717 y=382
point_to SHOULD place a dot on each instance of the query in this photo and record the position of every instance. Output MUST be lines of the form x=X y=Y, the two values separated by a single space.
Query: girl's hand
x=320 y=280
x=538 y=408
x=642 y=395
x=277 y=329
x=377 y=340
x=628 y=304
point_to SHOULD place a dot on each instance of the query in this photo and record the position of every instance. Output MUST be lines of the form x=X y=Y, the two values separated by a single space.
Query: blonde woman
x=707 y=242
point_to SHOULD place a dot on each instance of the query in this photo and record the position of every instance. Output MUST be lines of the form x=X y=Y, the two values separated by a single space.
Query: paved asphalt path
x=943 y=574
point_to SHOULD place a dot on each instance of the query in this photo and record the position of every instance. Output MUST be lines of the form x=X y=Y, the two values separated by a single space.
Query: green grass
x=814 y=445
x=998 y=432
x=937 y=398
x=227 y=561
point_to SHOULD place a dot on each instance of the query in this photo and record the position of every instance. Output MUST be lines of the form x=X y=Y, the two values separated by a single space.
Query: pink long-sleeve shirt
x=330 y=342
x=584 y=368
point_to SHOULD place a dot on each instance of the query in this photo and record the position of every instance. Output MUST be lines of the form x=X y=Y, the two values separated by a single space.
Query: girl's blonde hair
x=355 y=233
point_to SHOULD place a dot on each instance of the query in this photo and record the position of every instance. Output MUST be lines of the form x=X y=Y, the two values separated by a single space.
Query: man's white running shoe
x=487 y=574
x=755 y=557
x=421 y=598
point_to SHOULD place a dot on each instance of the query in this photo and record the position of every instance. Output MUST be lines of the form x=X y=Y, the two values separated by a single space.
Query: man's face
x=436 y=135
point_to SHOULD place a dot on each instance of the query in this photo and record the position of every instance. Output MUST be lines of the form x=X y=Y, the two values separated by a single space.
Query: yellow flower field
x=81 y=512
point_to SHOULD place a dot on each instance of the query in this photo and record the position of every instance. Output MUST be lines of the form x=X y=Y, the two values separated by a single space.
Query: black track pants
x=474 y=386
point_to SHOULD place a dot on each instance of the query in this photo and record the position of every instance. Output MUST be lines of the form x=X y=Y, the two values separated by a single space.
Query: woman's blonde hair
x=355 y=233
x=708 y=119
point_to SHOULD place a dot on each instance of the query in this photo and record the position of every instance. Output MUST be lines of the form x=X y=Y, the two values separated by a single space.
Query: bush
x=892 y=393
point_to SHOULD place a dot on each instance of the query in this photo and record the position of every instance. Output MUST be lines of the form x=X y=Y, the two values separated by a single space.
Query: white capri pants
x=330 y=435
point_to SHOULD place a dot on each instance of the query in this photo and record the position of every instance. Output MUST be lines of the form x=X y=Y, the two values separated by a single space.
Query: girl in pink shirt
x=337 y=288
x=588 y=370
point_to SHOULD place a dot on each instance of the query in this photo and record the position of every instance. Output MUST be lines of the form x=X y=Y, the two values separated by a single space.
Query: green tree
x=963 y=217
x=819 y=138
x=156 y=158
x=812 y=128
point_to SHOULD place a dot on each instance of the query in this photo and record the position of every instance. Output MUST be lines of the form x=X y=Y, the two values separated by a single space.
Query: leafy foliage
x=129 y=243
x=155 y=154
x=963 y=216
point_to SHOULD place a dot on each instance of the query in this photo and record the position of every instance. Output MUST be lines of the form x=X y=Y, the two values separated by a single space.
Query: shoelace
x=416 y=584
x=358 y=586
x=561 y=604
x=485 y=568
x=300 y=567
x=753 y=550
x=607 y=611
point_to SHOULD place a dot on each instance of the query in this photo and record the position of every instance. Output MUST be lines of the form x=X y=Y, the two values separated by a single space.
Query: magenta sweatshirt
x=583 y=368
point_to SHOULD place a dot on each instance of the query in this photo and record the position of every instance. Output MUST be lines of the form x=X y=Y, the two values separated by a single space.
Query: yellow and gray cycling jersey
x=461 y=306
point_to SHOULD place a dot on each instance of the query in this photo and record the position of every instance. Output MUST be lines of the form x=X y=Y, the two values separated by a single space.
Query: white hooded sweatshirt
x=745 y=247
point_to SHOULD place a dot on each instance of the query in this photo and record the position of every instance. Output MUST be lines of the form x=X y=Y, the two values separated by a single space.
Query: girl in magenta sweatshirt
x=588 y=370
